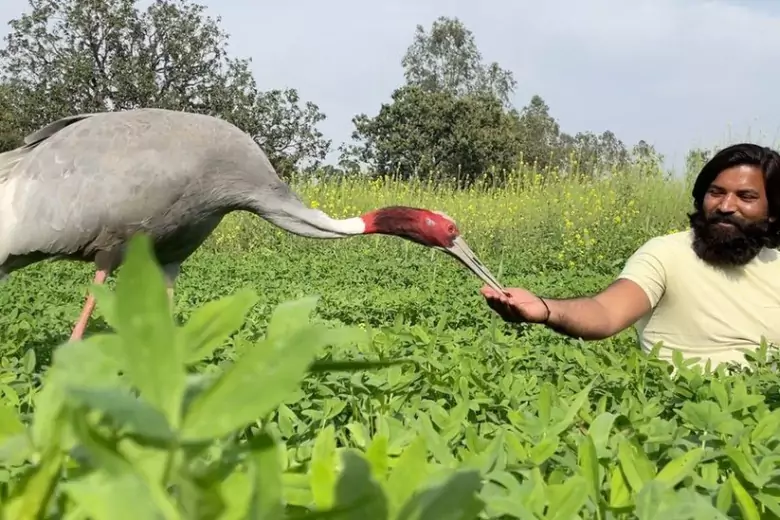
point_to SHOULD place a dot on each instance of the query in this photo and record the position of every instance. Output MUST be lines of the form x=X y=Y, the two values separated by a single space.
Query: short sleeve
x=648 y=267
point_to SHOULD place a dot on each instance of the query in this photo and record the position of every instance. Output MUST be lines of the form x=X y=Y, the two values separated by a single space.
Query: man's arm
x=637 y=290
x=616 y=308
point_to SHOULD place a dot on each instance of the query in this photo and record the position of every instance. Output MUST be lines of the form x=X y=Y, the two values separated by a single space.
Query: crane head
x=431 y=229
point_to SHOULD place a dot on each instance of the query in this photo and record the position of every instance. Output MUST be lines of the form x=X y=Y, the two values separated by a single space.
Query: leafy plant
x=407 y=391
x=123 y=430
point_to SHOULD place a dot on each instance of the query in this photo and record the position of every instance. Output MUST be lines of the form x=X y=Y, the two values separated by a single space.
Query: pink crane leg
x=89 y=306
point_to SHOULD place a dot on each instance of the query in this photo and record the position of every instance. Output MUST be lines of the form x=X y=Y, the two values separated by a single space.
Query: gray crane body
x=85 y=184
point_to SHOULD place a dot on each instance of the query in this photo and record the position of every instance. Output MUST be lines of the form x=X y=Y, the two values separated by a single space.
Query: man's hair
x=767 y=160
x=763 y=157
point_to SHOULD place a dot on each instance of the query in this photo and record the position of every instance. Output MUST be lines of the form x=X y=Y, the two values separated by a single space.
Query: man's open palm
x=516 y=305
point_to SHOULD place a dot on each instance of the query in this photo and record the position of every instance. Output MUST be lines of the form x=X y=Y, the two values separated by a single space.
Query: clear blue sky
x=677 y=73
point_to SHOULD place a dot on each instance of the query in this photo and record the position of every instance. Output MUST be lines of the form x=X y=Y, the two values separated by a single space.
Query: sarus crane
x=80 y=187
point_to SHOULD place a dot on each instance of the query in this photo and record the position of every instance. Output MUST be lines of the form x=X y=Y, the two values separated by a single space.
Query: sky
x=676 y=73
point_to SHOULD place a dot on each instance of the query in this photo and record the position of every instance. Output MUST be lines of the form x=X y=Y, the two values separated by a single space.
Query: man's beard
x=726 y=246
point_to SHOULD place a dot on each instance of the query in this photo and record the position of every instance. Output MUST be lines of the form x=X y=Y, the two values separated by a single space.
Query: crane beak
x=460 y=250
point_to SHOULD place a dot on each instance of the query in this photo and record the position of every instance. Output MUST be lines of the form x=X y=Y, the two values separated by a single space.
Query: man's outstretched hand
x=516 y=305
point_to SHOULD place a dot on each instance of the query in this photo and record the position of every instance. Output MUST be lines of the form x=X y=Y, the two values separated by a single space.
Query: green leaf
x=589 y=466
x=725 y=497
x=544 y=450
x=31 y=498
x=680 y=467
x=267 y=480
x=577 y=402
x=650 y=500
x=376 y=454
x=409 y=471
x=567 y=499
x=745 y=503
x=599 y=431
x=129 y=412
x=94 y=362
x=323 y=468
x=619 y=490
x=456 y=499
x=635 y=465
x=767 y=427
x=212 y=324
x=358 y=496
x=152 y=349
x=287 y=317
x=105 y=303
x=116 y=490
x=770 y=503
x=257 y=382
x=10 y=424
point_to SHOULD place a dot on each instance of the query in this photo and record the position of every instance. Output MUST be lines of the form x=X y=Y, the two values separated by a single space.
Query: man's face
x=733 y=226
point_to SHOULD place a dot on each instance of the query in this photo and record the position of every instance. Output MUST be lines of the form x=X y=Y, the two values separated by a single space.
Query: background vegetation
x=266 y=404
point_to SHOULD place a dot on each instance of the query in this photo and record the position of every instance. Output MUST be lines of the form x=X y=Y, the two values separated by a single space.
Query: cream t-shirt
x=704 y=311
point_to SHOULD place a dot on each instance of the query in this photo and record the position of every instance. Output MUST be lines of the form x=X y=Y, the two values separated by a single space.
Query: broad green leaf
x=153 y=350
x=635 y=465
x=94 y=362
x=105 y=303
x=680 y=467
x=118 y=495
x=456 y=499
x=116 y=490
x=744 y=502
x=235 y=492
x=358 y=496
x=544 y=450
x=745 y=465
x=619 y=490
x=211 y=324
x=289 y=316
x=567 y=499
x=600 y=430
x=31 y=499
x=577 y=402
x=589 y=466
x=10 y=424
x=15 y=449
x=376 y=455
x=767 y=427
x=256 y=383
x=267 y=482
x=770 y=502
x=410 y=469
x=323 y=468
x=129 y=412
x=29 y=361
x=725 y=497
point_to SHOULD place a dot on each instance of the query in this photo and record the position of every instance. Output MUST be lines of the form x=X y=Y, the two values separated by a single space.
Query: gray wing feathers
x=52 y=128
x=9 y=159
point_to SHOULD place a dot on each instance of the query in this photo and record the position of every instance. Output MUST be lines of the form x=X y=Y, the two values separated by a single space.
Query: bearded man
x=711 y=292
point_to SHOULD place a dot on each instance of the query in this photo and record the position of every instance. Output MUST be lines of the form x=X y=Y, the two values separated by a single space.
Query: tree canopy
x=453 y=116
x=69 y=56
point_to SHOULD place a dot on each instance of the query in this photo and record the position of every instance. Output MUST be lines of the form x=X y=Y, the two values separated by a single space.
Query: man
x=709 y=292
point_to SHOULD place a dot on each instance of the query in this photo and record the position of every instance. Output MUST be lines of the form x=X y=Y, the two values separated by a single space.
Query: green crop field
x=299 y=368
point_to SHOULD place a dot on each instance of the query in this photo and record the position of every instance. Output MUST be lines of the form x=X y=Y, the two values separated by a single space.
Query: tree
x=70 y=56
x=646 y=158
x=450 y=118
x=9 y=136
x=425 y=134
x=539 y=134
x=447 y=60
